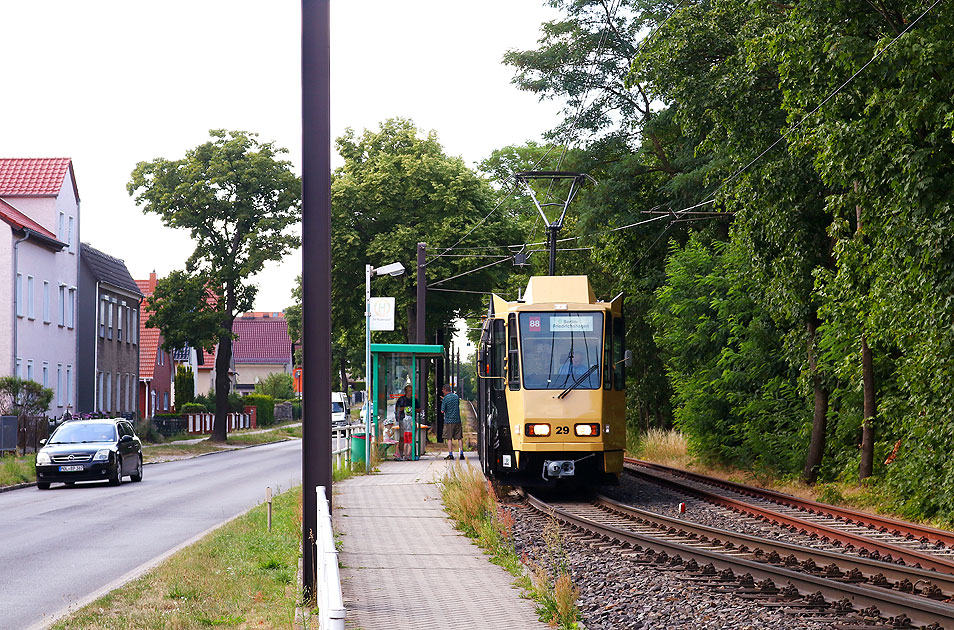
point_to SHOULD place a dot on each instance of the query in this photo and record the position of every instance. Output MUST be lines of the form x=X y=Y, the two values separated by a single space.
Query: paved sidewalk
x=404 y=566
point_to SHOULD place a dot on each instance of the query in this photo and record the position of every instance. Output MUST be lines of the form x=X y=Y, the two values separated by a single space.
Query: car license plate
x=70 y=468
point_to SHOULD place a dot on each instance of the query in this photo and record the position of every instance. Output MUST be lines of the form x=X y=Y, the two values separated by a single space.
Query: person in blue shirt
x=450 y=405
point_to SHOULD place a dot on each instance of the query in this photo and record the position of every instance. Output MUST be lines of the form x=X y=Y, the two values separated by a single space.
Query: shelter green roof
x=421 y=351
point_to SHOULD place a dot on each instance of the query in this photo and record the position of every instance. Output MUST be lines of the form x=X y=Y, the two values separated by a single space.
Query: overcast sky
x=112 y=83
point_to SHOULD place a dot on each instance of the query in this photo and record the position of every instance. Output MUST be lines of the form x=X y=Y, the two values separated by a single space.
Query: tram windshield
x=557 y=348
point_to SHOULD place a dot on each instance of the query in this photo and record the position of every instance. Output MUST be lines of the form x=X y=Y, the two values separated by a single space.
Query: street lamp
x=394 y=269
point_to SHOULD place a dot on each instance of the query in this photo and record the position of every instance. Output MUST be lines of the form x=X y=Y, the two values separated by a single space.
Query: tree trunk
x=223 y=366
x=870 y=411
x=223 y=381
x=816 y=447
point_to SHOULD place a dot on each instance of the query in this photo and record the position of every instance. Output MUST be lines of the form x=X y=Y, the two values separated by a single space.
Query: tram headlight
x=538 y=429
x=587 y=430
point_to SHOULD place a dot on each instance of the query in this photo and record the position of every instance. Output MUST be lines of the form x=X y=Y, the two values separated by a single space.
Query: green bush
x=265 y=406
x=193 y=407
x=184 y=384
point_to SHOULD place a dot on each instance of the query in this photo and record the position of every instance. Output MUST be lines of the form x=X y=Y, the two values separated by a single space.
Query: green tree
x=397 y=188
x=278 y=385
x=21 y=397
x=240 y=203
x=184 y=386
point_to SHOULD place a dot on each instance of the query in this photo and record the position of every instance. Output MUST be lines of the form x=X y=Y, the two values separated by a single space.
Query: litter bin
x=358 y=447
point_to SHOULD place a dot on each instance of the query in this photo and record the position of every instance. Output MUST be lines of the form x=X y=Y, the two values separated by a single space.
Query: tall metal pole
x=316 y=270
x=420 y=312
x=421 y=293
x=368 y=420
x=438 y=385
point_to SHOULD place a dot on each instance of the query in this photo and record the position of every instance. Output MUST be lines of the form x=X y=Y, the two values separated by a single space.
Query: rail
x=920 y=609
x=331 y=610
x=343 y=433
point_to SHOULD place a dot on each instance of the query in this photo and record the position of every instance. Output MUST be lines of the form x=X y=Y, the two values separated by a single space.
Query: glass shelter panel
x=560 y=347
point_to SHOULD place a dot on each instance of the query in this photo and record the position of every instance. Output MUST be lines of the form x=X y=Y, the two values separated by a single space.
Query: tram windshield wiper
x=578 y=381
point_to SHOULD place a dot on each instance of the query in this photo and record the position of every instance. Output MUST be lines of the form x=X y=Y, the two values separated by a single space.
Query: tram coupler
x=559 y=468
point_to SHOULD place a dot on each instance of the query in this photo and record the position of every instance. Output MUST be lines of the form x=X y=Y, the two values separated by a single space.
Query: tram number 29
x=562 y=430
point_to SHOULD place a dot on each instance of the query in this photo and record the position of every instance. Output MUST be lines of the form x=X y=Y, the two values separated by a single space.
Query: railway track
x=856 y=533
x=850 y=591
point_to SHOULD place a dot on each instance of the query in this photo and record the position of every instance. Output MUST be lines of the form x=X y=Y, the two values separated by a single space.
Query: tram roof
x=548 y=289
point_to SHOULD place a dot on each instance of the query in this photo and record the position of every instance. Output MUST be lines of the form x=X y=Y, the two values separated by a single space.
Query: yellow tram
x=551 y=401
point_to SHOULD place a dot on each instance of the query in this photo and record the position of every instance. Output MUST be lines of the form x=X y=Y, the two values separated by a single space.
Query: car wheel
x=137 y=475
x=42 y=485
x=116 y=479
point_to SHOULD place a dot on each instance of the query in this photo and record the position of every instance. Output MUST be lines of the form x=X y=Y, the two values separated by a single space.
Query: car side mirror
x=628 y=358
x=126 y=438
x=43 y=442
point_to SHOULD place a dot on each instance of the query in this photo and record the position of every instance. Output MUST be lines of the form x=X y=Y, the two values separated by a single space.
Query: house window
x=109 y=391
x=165 y=401
x=19 y=295
x=69 y=237
x=119 y=321
x=62 y=309
x=102 y=317
x=128 y=324
x=152 y=408
x=46 y=302
x=59 y=384
x=59 y=227
x=71 y=308
x=31 y=299
x=129 y=386
x=119 y=400
x=134 y=328
x=46 y=374
x=29 y=369
x=109 y=320
x=69 y=384
x=99 y=392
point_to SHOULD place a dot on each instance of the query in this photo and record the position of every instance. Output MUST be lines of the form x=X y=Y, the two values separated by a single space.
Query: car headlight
x=101 y=455
x=42 y=459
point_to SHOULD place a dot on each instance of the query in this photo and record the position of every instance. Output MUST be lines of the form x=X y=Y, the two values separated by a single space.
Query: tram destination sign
x=577 y=323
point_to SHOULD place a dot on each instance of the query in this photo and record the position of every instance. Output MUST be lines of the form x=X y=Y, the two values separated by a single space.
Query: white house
x=39 y=266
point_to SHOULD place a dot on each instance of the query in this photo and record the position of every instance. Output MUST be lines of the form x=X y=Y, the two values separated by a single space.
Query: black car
x=90 y=450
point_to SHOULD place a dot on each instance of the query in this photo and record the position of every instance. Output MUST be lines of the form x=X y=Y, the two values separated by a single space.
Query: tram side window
x=619 y=351
x=608 y=354
x=513 y=356
x=498 y=349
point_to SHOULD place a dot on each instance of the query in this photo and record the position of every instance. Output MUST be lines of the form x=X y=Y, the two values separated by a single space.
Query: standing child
x=450 y=405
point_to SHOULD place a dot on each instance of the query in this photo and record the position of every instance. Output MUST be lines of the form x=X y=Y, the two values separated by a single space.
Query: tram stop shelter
x=393 y=367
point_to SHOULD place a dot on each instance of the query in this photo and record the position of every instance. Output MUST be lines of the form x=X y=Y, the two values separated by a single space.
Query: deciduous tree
x=240 y=204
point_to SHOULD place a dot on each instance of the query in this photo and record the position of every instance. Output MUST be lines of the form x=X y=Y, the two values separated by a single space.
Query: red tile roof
x=149 y=338
x=261 y=340
x=20 y=221
x=34 y=177
x=208 y=359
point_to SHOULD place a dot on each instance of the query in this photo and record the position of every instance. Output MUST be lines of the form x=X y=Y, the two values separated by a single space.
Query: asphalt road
x=60 y=545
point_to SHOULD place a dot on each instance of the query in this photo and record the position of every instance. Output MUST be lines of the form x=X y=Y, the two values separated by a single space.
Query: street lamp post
x=394 y=269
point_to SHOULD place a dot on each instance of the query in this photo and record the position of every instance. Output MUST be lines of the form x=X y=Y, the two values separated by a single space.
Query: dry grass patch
x=240 y=576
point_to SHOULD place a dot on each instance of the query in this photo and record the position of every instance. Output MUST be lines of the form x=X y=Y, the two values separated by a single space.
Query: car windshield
x=337 y=407
x=82 y=433
x=558 y=348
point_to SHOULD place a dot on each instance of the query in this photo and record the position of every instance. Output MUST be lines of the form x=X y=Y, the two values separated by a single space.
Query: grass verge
x=168 y=452
x=470 y=502
x=240 y=576
x=15 y=469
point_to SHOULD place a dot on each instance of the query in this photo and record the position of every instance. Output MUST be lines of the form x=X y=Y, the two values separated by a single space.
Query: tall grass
x=470 y=501
x=669 y=448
